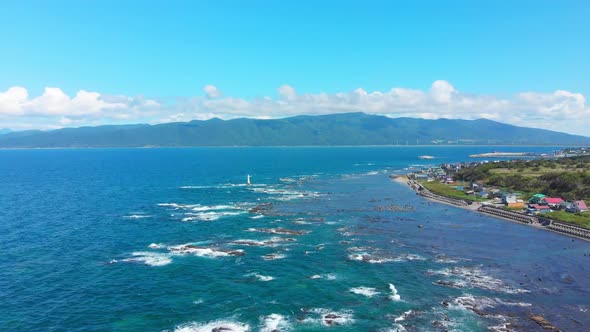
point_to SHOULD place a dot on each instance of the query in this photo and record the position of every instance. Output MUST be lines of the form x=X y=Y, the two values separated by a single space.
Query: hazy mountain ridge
x=334 y=129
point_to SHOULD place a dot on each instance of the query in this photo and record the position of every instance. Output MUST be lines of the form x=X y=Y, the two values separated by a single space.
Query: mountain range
x=328 y=130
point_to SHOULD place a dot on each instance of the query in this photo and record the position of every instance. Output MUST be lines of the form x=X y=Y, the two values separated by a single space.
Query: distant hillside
x=334 y=129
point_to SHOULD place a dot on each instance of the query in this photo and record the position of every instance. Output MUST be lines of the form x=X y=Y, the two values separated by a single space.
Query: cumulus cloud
x=559 y=110
x=211 y=91
x=287 y=92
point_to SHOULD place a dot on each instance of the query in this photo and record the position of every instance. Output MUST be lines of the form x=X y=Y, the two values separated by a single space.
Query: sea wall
x=569 y=229
x=508 y=214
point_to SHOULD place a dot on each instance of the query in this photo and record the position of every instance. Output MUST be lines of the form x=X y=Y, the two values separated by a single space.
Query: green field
x=450 y=191
x=533 y=171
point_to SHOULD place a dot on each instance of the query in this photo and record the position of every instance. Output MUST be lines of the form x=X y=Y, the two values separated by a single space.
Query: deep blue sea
x=173 y=239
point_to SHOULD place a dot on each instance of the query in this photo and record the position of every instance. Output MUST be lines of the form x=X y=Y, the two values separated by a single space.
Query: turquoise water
x=166 y=239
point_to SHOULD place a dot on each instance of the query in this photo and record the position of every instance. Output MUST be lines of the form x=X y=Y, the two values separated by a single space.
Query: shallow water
x=166 y=239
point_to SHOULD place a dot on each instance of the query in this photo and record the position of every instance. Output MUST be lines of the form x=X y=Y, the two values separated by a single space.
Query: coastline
x=476 y=207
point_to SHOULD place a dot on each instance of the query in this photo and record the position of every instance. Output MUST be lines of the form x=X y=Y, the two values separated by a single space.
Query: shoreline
x=288 y=146
x=476 y=207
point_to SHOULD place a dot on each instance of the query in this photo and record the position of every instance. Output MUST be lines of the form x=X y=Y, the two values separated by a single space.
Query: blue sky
x=247 y=49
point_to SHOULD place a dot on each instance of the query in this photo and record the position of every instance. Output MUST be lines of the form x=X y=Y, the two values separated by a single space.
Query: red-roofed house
x=577 y=206
x=551 y=201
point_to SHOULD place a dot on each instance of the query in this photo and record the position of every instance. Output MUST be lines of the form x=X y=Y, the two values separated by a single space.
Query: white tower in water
x=249 y=183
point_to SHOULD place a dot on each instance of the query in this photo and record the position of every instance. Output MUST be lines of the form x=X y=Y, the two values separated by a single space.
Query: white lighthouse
x=249 y=183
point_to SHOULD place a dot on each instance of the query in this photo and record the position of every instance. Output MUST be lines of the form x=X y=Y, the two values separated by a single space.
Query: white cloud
x=211 y=91
x=287 y=92
x=559 y=110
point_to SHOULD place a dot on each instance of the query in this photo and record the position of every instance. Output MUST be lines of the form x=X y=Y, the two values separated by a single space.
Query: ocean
x=174 y=240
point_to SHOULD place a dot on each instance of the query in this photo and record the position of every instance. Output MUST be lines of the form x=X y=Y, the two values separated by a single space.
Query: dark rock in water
x=330 y=319
x=451 y=284
x=263 y=208
x=221 y=329
x=395 y=208
x=543 y=322
x=420 y=226
x=279 y=231
x=438 y=324
x=567 y=279
x=234 y=252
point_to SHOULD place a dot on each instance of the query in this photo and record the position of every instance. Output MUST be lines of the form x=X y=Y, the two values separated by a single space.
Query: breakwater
x=508 y=214
x=569 y=229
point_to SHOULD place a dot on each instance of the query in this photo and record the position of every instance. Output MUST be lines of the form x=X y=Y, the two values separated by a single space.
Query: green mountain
x=334 y=129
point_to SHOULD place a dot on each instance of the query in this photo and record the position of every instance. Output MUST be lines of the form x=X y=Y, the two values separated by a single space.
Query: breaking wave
x=328 y=317
x=394 y=295
x=366 y=291
x=149 y=258
x=219 y=325
x=260 y=277
x=274 y=322
x=474 y=277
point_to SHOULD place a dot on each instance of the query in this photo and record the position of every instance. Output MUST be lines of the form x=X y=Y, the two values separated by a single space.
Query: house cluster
x=540 y=203
x=442 y=173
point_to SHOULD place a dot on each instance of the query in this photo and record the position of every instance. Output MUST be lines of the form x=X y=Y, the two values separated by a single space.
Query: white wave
x=225 y=186
x=408 y=257
x=137 y=216
x=327 y=317
x=403 y=316
x=394 y=295
x=156 y=246
x=275 y=322
x=395 y=328
x=286 y=195
x=203 y=251
x=178 y=206
x=219 y=325
x=378 y=259
x=149 y=258
x=476 y=278
x=260 y=277
x=445 y=260
x=210 y=216
x=198 y=301
x=272 y=242
x=216 y=207
x=473 y=303
x=328 y=276
x=257 y=216
x=366 y=291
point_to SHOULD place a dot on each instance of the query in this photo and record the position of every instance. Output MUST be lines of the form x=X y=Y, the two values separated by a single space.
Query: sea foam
x=275 y=322
x=394 y=295
x=366 y=291
x=219 y=325
x=149 y=258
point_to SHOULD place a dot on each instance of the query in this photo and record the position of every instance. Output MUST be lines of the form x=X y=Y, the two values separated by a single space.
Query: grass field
x=450 y=191
x=533 y=171
x=581 y=219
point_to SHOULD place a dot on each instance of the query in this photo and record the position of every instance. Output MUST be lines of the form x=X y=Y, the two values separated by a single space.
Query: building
x=536 y=198
x=536 y=208
x=508 y=198
x=577 y=206
x=551 y=201
x=516 y=205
